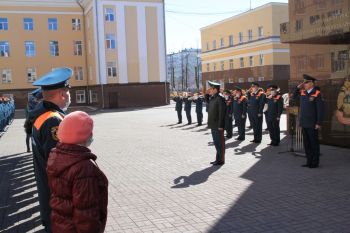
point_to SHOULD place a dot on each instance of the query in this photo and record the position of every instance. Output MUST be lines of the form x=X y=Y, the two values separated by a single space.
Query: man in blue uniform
x=240 y=112
x=229 y=114
x=311 y=118
x=178 y=107
x=199 y=100
x=256 y=102
x=188 y=106
x=273 y=114
x=216 y=122
x=46 y=118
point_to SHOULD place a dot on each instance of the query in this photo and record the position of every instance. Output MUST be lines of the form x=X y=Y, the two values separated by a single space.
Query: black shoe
x=199 y=124
x=228 y=137
x=28 y=151
x=257 y=142
x=213 y=162
x=313 y=166
x=218 y=163
x=271 y=144
x=189 y=123
x=305 y=165
x=180 y=122
x=239 y=139
x=250 y=127
x=253 y=141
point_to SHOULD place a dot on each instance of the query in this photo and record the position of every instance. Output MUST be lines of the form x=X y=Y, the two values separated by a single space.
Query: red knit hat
x=76 y=128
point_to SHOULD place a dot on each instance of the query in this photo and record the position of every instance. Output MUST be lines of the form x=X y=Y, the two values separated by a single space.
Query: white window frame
x=28 y=26
x=112 y=70
x=53 y=26
x=222 y=43
x=93 y=97
x=261 y=32
x=260 y=79
x=4 y=48
x=251 y=61
x=241 y=62
x=4 y=25
x=79 y=73
x=53 y=44
x=250 y=35
x=241 y=80
x=214 y=44
x=109 y=14
x=230 y=39
x=6 y=76
x=29 y=46
x=80 y=96
x=261 y=59
x=78 y=48
x=76 y=24
x=31 y=75
x=222 y=65
x=232 y=64
x=110 y=40
x=240 y=37
x=251 y=79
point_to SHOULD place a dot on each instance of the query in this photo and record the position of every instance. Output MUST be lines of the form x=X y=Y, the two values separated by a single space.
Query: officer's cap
x=227 y=91
x=37 y=93
x=272 y=87
x=255 y=84
x=55 y=79
x=237 y=88
x=214 y=84
x=308 y=78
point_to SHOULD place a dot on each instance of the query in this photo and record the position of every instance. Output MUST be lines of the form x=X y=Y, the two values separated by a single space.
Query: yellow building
x=116 y=49
x=246 y=47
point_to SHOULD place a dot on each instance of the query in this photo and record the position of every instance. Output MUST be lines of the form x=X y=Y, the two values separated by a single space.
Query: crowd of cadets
x=251 y=104
x=7 y=112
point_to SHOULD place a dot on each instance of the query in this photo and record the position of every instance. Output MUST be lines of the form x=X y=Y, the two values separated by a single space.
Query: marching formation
x=238 y=105
x=7 y=112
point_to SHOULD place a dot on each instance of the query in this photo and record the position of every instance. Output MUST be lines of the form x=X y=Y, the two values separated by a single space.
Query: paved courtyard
x=160 y=180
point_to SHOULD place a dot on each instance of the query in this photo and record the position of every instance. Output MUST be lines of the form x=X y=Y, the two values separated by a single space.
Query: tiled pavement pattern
x=161 y=181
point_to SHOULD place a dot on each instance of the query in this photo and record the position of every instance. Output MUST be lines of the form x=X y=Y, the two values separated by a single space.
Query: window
x=30 y=48
x=339 y=60
x=320 y=4
x=4 y=49
x=214 y=44
x=319 y=61
x=314 y=19
x=241 y=62
x=110 y=41
x=76 y=26
x=80 y=96
x=31 y=75
x=240 y=37
x=222 y=43
x=6 y=76
x=78 y=48
x=207 y=46
x=214 y=66
x=231 y=64
x=93 y=96
x=299 y=6
x=261 y=59
x=208 y=67
x=52 y=24
x=111 y=69
x=230 y=80
x=251 y=61
x=251 y=79
x=260 y=79
x=4 y=25
x=109 y=14
x=222 y=65
x=250 y=35
x=28 y=24
x=54 y=48
x=79 y=74
x=334 y=13
x=260 y=32
x=241 y=80
x=301 y=63
x=298 y=25
x=230 y=39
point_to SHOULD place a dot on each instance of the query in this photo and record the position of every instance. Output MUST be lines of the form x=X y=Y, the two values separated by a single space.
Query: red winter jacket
x=79 y=190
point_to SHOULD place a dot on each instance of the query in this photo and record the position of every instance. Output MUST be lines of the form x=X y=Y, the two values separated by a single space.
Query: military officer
x=178 y=107
x=46 y=118
x=256 y=102
x=273 y=114
x=216 y=122
x=2 y=115
x=188 y=107
x=311 y=118
x=229 y=113
x=240 y=112
x=199 y=100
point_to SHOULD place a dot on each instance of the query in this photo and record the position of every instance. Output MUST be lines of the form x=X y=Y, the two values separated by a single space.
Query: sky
x=184 y=18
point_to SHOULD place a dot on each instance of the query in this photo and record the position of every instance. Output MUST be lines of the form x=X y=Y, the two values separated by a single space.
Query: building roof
x=245 y=13
x=45 y=3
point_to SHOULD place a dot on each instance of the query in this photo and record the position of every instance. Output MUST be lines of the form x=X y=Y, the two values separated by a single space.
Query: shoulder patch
x=54 y=133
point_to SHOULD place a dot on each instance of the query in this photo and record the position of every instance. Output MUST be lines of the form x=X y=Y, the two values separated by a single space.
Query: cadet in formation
x=240 y=112
x=7 y=112
x=46 y=118
x=229 y=114
x=311 y=118
x=216 y=122
x=198 y=99
x=256 y=102
x=188 y=106
x=178 y=106
x=273 y=114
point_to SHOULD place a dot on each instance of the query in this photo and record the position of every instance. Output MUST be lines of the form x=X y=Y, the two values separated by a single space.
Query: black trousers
x=179 y=116
x=274 y=130
x=312 y=146
x=200 y=117
x=257 y=127
x=28 y=142
x=228 y=126
x=219 y=143
x=241 y=127
x=189 y=117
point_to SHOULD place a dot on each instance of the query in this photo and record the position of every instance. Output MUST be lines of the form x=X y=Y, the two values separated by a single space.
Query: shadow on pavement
x=283 y=197
x=19 y=207
x=196 y=178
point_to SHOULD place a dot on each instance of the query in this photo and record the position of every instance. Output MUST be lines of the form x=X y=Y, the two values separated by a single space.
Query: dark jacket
x=188 y=104
x=79 y=190
x=45 y=119
x=216 y=112
x=256 y=102
x=311 y=107
x=199 y=104
x=240 y=107
x=274 y=107
x=179 y=102
x=229 y=107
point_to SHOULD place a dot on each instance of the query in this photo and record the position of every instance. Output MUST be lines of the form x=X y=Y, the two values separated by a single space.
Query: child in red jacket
x=79 y=189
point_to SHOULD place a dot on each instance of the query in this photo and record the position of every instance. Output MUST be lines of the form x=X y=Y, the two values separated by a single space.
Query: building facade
x=115 y=48
x=184 y=70
x=246 y=47
x=318 y=32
